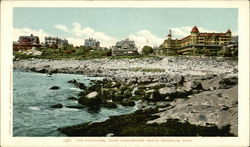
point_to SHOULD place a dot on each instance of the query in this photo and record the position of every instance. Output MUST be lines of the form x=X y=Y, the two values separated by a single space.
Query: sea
x=32 y=98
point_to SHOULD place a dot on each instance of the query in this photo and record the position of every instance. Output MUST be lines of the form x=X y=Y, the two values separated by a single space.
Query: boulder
x=117 y=97
x=92 y=95
x=56 y=106
x=81 y=85
x=183 y=93
x=109 y=105
x=228 y=82
x=155 y=96
x=218 y=107
x=72 y=81
x=127 y=103
x=166 y=91
x=172 y=93
x=179 y=79
x=54 y=88
x=77 y=84
x=92 y=99
x=193 y=85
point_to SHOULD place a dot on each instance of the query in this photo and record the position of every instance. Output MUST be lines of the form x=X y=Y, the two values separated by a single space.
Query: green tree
x=147 y=50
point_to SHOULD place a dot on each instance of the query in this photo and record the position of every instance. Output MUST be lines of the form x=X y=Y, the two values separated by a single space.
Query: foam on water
x=75 y=89
x=33 y=108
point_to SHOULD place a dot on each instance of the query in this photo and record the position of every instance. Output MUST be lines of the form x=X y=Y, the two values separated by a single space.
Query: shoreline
x=198 y=92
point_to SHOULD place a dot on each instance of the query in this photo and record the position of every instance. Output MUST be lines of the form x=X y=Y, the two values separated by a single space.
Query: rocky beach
x=176 y=96
x=137 y=67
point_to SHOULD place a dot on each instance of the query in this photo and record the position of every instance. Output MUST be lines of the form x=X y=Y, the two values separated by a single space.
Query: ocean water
x=32 y=98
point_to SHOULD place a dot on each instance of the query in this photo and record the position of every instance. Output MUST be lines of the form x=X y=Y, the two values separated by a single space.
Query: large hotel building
x=197 y=40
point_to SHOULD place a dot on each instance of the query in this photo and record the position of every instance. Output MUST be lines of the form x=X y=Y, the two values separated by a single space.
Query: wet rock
x=42 y=70
x=72 y=81
x=118 y=97
x=33 y=69
x=76 y=107
x=81 y=85
x=92 y=99
x=54 y=88
x=56 y=106
x=54 y=71
x=109 y=105
x=77 y=84
x=127 y=94
x=128 y=103
x=72 y=98
x=228 y=82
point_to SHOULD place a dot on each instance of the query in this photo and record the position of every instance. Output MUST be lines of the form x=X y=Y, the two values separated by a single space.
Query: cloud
x=61 y=27
x=75 y=41
x=80 y=33
x=27 y=32
x=185 y=31
x=145 y=37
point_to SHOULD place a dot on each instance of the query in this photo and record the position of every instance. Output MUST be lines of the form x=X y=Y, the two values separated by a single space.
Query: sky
x=146 y=26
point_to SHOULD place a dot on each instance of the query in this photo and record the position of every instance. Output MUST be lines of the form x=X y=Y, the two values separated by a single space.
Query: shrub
x=147 y=50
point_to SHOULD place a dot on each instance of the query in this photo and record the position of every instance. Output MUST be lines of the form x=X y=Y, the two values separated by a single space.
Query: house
x=232 y=46
x=26 y=42
x=197 y=40
x=92 y=43
x=124 y=47
x=55 y=42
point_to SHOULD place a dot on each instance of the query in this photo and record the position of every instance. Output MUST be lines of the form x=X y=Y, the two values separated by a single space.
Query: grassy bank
x=93 y=54
x=81 y=53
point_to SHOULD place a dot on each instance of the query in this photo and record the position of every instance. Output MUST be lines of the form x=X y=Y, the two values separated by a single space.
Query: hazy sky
x=108 y=25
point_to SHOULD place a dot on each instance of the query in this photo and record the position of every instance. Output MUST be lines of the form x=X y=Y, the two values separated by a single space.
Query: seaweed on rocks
x=135 y=124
